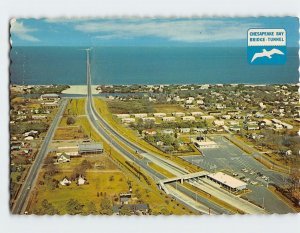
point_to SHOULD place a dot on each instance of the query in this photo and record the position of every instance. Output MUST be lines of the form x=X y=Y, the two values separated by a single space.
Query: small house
x=65 y=182
x=63 y=158
x=188 y=118
x=184 y=130
x=81 y=180
x=168 y=119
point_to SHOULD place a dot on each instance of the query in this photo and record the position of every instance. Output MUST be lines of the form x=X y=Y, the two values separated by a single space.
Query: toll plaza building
x=90 y=148
x=227 y=181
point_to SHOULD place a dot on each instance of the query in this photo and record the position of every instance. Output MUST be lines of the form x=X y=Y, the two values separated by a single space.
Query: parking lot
x=229 y=158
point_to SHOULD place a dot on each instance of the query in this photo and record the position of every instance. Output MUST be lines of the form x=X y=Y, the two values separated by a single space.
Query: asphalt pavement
x=230 y=158
x=106 y=131
x=22 y=199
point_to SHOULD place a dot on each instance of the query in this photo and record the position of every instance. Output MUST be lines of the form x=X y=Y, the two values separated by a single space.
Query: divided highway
x=22 y=199
x=106 y=131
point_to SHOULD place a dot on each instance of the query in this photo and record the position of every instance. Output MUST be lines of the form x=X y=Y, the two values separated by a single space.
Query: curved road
x=106 y=131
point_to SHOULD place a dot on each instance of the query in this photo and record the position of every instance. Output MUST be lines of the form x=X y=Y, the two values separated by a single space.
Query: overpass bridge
x=185 y=177
x=162 y=183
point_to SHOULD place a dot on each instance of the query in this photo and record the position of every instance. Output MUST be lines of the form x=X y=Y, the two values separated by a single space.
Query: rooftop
x=227 y=180
x=90 y=147
x=50 y=95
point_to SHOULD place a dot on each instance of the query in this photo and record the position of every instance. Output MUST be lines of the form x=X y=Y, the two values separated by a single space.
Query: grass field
x=161 y=170
x=75 y=108
x=68 y=133
x=168 y=108
x=99 y=181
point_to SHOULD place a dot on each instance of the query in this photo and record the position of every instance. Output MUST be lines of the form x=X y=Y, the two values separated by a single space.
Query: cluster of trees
x=280 y=142
x=47 y=90
x=81 y=169
x=74 y=207
x=140 y=125
x=23 y=127
x=106 y=206
x=129 y=107
x=171 y=142
x=47 y=208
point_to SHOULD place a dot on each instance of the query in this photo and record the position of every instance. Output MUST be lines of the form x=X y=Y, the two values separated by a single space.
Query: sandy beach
x=79 y=89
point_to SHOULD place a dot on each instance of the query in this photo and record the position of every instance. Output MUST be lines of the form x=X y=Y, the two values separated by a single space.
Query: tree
x=165 y=211
x=91 y=208
x=125 y=210
x=47 y=208
x=105 y=206
x=138 y=193
x=52 y=169
x=81 y=169
x=74 y=207
x=111 y=178
x=48 y=160
x=71 y=120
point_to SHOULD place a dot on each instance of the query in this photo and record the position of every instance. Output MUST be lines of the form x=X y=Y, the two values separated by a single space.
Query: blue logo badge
x=266 y=46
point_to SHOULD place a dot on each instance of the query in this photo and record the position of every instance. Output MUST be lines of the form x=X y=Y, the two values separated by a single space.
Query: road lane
x=106 y=131
x=22 y=199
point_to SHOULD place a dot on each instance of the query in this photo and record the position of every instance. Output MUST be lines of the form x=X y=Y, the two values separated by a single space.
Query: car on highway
x=29 y=187
x=245 y=170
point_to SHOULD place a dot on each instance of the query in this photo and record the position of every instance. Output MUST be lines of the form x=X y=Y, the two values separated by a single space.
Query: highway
x=107 y=132
x=22 y=199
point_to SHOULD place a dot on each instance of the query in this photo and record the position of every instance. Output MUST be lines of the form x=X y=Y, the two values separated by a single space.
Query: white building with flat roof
x=140 y=115
x=178 y=114
x=196 y=114
x=208 y=117
x=188 y=118
x=159 y=114
x=147 y=119
x=227 y=181
x=168 y=119
x=121 y=116
x=128 y=120
x=204 y=144
x=218 y=122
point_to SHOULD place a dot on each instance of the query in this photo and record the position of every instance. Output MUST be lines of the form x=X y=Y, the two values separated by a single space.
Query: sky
x=145 y=31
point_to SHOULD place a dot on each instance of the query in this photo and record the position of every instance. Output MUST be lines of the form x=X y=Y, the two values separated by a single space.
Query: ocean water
x=146 y=65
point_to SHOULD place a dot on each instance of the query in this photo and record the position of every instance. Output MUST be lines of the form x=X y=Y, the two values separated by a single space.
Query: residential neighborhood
x=186 y=124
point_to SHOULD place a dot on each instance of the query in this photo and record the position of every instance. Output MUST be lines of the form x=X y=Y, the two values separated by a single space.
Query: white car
x=253 y=182
x=244 y=170
x=252 y=173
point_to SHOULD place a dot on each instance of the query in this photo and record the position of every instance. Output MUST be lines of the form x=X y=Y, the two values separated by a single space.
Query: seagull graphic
x=266 y=53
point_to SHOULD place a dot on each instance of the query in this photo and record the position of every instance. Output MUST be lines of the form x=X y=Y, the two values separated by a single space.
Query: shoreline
x=80 y=89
